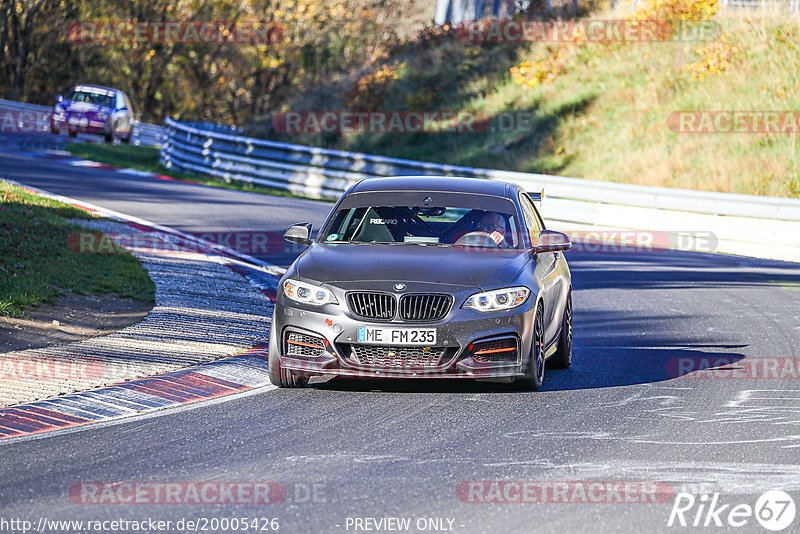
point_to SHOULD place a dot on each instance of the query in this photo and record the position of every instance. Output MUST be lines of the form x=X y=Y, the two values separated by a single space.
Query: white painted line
x=248 y=260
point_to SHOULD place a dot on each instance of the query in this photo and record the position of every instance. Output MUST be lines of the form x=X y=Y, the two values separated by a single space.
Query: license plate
x=377 y=335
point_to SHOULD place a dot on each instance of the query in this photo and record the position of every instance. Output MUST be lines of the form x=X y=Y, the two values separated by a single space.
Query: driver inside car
x=494 y=224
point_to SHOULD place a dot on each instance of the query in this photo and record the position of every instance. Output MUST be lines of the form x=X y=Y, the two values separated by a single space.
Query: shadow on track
x=675 y=269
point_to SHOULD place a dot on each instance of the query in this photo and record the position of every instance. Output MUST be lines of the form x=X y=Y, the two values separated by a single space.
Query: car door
x=122 y=119
x=131 y=111
x=546 y=269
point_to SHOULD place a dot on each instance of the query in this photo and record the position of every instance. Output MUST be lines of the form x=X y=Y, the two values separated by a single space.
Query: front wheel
x=284 y=378
x=535 y=365
x=563 y=355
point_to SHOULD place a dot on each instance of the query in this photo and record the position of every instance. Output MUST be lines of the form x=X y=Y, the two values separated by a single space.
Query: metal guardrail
x=792 y=5
x=743 y=224
x=150 y=134
x=312 y=171
x=213 y=127
x=11 y=104
x=33 y=118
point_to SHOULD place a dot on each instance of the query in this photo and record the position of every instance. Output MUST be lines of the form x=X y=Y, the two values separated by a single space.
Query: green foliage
x=226 y=82
x=603 y=110
x=36 y=263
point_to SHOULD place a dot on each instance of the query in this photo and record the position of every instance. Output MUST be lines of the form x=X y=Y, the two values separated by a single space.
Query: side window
x=536 y=213
x=532 y=219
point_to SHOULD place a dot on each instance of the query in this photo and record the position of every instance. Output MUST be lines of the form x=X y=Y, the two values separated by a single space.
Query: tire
x=73 y=133
x=535 y=364
x=562 y=358
x=109 y=138
x=283 y=378
x=54 y=131
x=127 y=140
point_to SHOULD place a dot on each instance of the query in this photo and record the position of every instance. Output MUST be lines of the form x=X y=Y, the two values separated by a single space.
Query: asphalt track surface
x=401 y=448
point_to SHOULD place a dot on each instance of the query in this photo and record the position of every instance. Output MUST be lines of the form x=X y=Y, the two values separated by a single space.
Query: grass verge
x=146 y=158
x=37 y=265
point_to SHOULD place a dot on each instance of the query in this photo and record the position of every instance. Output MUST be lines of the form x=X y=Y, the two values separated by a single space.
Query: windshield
x=99 y=99
x=415 y=225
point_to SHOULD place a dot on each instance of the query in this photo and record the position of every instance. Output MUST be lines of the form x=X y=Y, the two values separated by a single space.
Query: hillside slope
x=589 y=110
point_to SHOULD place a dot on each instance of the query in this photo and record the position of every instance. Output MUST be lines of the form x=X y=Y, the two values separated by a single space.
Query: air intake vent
x=303 y=344
x=495 y=351
x=424 y=307
x=396 y=357
x=379 y=306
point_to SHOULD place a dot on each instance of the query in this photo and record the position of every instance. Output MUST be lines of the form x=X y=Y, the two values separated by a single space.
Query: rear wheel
x=563 y=355
x=535 y=366
x=284 y=378
x=73 y=133
x=109 y=138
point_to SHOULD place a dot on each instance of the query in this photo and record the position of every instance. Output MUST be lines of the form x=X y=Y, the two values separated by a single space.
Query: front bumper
x=460 y=338
x=79 y=123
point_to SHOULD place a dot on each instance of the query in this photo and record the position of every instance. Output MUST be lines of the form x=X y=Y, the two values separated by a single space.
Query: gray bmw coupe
x=425 y=277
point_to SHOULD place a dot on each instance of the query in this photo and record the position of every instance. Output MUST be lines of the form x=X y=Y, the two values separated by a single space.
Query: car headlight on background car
x=308 y=293
x=102 y=116
x=498 y=300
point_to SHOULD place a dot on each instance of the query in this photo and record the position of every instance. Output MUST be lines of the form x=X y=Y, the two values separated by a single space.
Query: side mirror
x=298 y=233
x=552 y=241
x=60 y=98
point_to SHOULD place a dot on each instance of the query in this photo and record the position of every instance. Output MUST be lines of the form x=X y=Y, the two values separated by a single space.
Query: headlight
x=497 y=300
x=102 y=116
x=308 y=293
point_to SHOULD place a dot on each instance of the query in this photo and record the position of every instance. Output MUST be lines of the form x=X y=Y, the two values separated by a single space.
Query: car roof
x=90 y=86
x=450 y=184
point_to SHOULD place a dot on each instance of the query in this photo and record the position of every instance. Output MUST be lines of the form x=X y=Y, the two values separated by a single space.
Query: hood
x=411 y=263
x=84 y=107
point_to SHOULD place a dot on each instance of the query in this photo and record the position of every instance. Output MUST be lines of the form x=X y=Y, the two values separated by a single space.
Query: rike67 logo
x=774 y=510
